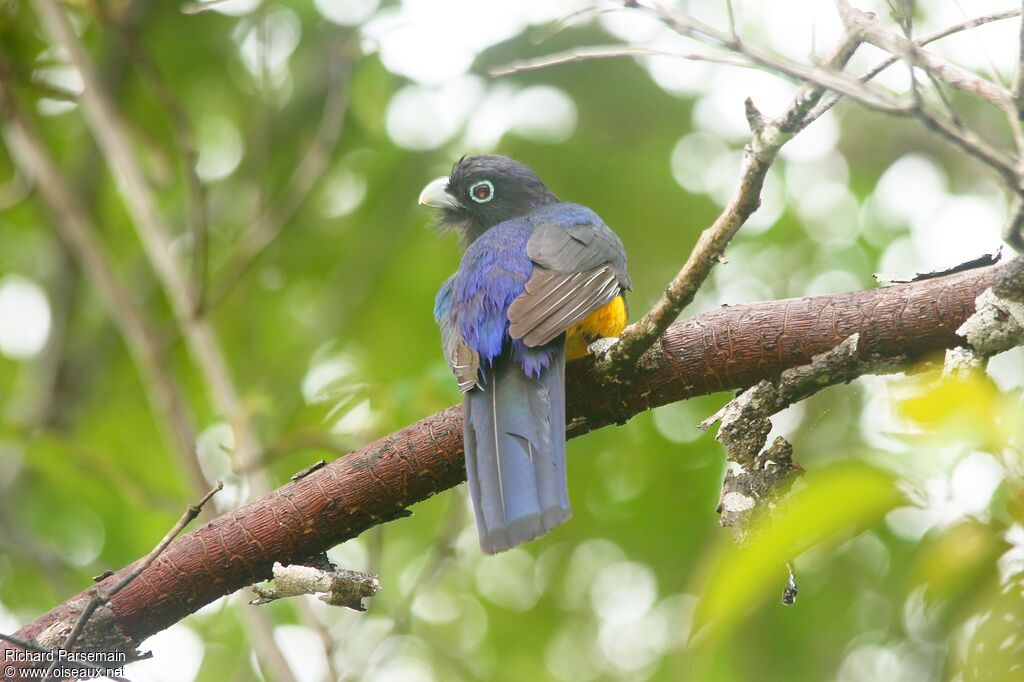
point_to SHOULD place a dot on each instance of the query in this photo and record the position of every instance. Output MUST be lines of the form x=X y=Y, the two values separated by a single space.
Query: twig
x=1018 y=81
x=304 y=179
x=731 y=14
x=833 y=98
x=953 y=128
x=973 y=146
x=336 y=586
x=186 y=144
x=820 y=77
x=752 y=57
x=768 y=137
x=98 y=597
x=610 y=52
x=868 y=28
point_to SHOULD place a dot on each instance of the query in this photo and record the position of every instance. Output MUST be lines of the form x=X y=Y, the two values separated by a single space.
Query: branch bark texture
x=733 y=347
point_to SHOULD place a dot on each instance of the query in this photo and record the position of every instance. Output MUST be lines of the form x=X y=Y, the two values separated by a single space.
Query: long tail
x=515 y=453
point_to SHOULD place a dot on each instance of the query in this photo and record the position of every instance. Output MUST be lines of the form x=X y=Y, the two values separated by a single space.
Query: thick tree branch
x=101 y=597
x=730 y=348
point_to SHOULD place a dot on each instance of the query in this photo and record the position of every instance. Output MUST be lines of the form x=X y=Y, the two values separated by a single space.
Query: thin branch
x=1012 y=114
x=753 y=57
x=822 y=78
x=186 y=144
x=973 y=146
x=838 y=85
x=952 y=128
x=833 y=98
x=731 y=15
x=1008 y=169
x=609 y=52
x=993 y=70
x=768 y=137
x=1016 y=114
x=945 y=100
x=99 y=597
x=868 y=28
x=304 y=179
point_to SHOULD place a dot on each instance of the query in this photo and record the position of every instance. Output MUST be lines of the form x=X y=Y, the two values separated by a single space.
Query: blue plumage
x=533 y=267
x=492 y=274
x=515 y=416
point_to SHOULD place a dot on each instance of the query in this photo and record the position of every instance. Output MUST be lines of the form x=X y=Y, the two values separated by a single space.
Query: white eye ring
x=476 y=186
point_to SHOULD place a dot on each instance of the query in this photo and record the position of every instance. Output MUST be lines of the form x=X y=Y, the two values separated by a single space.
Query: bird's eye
x=481 y=192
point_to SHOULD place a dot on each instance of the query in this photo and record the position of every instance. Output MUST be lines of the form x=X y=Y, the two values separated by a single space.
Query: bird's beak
x=436 y=195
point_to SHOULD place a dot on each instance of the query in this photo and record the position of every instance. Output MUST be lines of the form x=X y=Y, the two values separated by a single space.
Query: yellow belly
x=608 y=321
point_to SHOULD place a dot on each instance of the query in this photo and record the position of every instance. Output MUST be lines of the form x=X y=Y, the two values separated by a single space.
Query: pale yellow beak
x=436 y=195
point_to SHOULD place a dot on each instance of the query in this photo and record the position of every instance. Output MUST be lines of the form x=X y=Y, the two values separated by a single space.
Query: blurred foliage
x=331 y=341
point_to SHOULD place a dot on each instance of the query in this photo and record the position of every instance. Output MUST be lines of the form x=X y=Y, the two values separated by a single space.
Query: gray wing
x=577 y=270
x=463 y=360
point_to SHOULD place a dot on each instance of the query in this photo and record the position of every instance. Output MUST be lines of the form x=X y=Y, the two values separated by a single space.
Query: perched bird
x=540 y=279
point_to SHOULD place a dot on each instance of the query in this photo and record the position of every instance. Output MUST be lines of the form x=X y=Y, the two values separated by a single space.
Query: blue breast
x=493 y=272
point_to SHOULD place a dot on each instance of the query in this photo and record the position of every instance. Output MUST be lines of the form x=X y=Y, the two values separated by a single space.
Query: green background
x=87 y=484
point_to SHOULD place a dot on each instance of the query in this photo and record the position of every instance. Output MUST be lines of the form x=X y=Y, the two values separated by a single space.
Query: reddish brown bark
x=729 y=348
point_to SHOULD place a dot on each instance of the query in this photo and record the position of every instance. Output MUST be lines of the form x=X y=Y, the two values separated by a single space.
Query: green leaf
x=834 y=502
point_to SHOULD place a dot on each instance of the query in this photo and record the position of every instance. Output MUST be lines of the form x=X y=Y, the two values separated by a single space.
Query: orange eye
x=481 y=192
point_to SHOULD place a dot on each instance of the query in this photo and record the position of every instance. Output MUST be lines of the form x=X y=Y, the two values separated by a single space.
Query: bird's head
x=482 y=191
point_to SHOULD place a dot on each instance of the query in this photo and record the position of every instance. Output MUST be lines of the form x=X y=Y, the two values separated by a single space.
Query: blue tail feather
x=515 y=453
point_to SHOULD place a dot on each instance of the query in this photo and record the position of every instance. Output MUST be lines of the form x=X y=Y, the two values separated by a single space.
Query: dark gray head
x=483 y=191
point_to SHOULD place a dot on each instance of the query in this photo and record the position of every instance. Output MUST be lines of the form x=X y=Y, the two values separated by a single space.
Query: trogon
x=539 y=281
